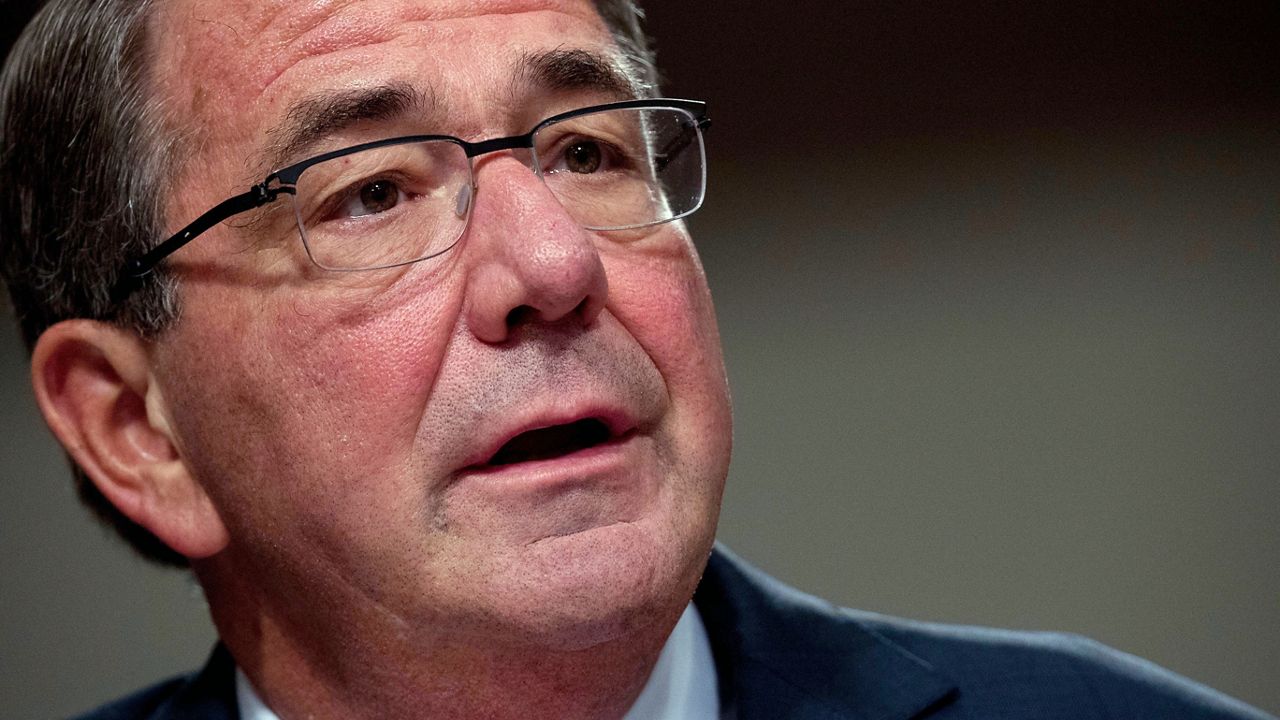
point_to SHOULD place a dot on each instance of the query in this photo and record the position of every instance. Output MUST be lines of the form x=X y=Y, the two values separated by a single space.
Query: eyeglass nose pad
x=464 y=201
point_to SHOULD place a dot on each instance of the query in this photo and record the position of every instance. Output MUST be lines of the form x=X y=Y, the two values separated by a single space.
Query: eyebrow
x=316 y=117
x=567 y=69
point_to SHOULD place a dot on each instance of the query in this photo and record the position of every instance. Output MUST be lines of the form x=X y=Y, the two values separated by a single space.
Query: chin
x=580 y=590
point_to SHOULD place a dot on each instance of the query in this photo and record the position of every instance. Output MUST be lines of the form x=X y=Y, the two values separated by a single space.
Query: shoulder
x=140 y=704
x=955 y=672
x=205 y=695
x=998 y=669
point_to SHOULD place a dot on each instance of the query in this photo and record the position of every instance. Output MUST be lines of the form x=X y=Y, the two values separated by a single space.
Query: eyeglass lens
x=611 y=170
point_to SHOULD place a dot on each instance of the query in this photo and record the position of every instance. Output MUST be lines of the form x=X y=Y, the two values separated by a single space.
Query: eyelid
x=353 y=195
x=613 y=158
x=332 y=202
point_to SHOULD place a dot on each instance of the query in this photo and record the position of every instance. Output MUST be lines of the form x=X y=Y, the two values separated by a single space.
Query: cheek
x=662 y=298
x=309 y=398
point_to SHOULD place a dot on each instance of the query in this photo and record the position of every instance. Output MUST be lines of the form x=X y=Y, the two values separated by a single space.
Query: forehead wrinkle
x=324 y=27
x=327 y=34
x=273 y=37
x=254 y=45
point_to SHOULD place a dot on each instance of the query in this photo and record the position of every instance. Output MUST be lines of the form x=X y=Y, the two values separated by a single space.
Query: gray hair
x=83 y=161
x=85 y=154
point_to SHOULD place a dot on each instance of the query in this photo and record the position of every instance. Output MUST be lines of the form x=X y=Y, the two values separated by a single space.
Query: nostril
x=528 y=314
x=520 y=316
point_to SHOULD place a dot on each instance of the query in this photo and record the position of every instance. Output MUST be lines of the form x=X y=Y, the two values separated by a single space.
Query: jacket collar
x=782 y=653
x=208 y=695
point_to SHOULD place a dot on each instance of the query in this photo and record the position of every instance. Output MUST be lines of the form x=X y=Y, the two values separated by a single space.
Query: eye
x=371 y=198
x=583 y=157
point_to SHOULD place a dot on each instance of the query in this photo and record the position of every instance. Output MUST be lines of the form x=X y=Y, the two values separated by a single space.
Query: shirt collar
x=682 y=684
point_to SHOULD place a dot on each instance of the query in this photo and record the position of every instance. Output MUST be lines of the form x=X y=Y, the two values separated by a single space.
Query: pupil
x=379 y=196
x=583 y=157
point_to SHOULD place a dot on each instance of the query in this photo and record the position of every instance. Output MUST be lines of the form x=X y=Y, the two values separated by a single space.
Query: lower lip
x=589 y=465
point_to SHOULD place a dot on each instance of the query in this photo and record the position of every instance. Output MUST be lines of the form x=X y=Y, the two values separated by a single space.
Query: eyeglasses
x=382 y=204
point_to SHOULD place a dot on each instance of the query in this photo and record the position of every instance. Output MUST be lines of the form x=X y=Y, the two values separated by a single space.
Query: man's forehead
x=255 y=21
x=247 y=45
x=231 y=71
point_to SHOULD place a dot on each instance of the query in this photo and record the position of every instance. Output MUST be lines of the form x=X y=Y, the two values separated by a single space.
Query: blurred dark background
x=998 y=284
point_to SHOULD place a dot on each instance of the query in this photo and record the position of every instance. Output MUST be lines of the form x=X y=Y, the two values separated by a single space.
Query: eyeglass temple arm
x=139 y=267
x=678 y=144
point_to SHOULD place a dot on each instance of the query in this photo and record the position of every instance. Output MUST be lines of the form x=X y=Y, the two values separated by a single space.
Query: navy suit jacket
x=783 y=654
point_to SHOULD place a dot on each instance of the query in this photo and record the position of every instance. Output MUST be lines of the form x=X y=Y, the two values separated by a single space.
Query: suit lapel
x=781 y=653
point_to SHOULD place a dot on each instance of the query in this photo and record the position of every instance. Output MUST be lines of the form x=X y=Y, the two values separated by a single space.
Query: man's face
x=344 y=423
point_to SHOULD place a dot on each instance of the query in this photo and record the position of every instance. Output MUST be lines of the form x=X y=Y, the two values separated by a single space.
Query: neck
x=363 y=666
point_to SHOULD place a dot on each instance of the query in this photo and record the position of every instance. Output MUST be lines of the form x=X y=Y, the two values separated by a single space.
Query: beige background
x=999 y=288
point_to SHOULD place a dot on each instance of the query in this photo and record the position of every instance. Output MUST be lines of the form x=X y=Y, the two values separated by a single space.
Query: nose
x=530 y=262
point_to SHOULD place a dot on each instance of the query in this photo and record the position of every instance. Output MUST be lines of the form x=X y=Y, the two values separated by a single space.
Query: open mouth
x=552 y=442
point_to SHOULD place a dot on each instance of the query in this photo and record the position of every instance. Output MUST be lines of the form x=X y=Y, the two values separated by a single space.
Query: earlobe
x=94 y=384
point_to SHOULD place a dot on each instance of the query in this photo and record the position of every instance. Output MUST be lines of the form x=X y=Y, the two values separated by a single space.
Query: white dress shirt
x=682 y=685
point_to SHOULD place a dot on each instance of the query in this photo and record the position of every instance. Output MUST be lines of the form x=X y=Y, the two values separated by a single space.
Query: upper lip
x=617 y=419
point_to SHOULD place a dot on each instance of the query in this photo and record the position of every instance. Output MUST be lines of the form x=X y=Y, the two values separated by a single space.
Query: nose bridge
x=481 y=153
x=533 y=262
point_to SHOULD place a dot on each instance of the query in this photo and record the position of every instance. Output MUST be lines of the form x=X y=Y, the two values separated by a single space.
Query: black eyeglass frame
x=286 y=179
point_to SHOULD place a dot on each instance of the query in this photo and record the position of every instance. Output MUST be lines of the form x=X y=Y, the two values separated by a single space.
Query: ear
x=94 y=384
